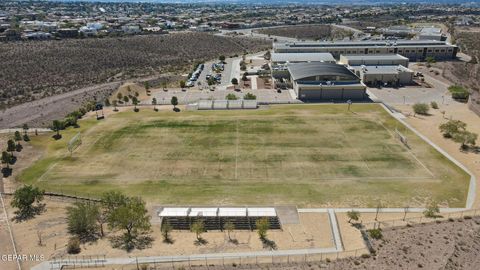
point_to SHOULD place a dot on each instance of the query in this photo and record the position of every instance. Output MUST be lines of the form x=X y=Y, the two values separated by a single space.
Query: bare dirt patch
x=313 y=231
x=315 y=32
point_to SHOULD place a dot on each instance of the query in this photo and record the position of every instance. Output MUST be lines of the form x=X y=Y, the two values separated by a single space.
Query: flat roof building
x=385 y=75
x=325 y=81
x=282 y=58
x=374 y=60
x=412 y=49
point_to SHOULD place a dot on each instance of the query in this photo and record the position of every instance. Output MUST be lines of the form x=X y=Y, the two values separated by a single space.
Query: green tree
x=234 y=81
x=465 y=138
x=174 y=102
x=82 y=220
x=198 y=227
x=452 y=127
x=135 y=103
x=28 y=201
x=6 y=158
x=262 y=227
x=182 y=84
x=17 y=136
x=57 y=125
x=249 y=96
x=126 y=99
x=147 y=86
x=244 y=77
x=353 y=215
x=229 y=227
x=110 y=201
x=231 y=96
x=11 y=146
x=119 y=96
x=421 y=108
x=166 y=229
x=131 y=217
x=154 y=103
x=221 y=58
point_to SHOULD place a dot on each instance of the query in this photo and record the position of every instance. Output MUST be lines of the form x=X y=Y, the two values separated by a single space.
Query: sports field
x=307 y=155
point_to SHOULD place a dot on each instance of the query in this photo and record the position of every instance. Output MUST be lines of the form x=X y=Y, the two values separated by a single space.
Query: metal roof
x=374 y=57
x=203 y=212
x=232 y=212
x=262 y=212
x=302 y=57
x=174 y=212
x=304 y=70
x=367 y=43
x=383 y=69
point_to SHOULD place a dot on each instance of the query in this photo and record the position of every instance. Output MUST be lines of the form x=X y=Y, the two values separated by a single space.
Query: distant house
x=87 y=31
x=131 y=29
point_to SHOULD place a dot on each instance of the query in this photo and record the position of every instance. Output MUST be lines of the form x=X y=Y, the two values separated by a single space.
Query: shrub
x=432 y=210
x=420 y=108
x=458 y=92
x=434 y=105
x=73 y=246
x=375 y=233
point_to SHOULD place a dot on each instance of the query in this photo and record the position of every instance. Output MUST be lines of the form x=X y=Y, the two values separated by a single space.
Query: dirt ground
x=428 y=126
x=450 y=244
x=312 y=232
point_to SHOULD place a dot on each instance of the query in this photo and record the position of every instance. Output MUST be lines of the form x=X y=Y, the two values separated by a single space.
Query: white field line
x=10 y=230
x=40 y=179
x=409 y=151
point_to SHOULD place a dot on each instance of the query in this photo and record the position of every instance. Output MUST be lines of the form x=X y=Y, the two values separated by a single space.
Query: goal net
x=74 y=143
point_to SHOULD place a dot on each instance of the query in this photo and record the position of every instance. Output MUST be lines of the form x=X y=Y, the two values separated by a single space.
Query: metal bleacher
x=181 y=218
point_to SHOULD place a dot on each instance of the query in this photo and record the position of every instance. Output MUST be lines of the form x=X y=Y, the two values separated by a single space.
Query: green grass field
x=307 y=155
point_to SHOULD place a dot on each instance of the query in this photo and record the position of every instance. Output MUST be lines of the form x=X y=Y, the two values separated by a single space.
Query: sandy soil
x=428 y=126
x=312 y=232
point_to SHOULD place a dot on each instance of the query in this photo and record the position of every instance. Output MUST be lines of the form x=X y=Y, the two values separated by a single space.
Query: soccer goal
x=74 y=143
